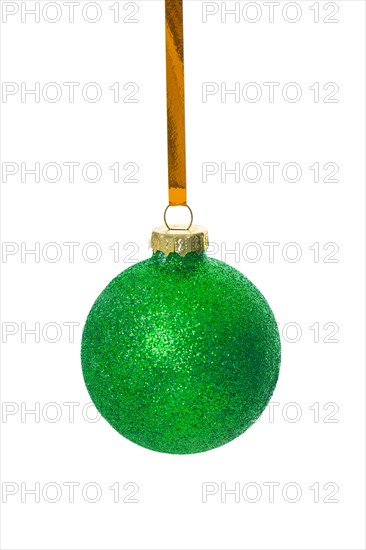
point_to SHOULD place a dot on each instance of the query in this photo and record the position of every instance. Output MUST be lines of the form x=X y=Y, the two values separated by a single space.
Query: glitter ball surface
x=180 y=354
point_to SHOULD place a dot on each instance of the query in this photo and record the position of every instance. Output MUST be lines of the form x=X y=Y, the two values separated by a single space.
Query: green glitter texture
x=180 y=354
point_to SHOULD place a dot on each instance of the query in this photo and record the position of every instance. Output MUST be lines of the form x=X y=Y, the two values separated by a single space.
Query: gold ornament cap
x=181 y=241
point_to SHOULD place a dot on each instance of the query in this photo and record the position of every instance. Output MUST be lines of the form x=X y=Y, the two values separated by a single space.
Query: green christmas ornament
x=180 y=352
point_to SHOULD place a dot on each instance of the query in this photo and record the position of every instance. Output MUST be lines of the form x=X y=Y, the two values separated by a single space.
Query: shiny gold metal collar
x=181 y=241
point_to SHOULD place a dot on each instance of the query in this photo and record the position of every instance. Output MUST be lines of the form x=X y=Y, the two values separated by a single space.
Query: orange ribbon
x=175 y=102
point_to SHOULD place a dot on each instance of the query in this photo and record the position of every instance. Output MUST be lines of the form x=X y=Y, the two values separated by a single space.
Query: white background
x=315 y=436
